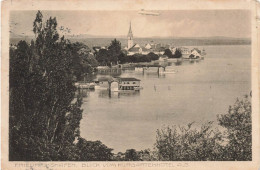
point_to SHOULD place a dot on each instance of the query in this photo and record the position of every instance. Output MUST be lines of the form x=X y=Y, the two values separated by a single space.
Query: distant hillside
x=92 y=40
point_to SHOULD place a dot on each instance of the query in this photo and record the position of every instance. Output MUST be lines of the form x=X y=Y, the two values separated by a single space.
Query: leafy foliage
x=187 y=144
x=238 y=124
x=177 y=53
x=131 y=155
x=93 y=151
x=190 y=144
x=83 y=63
x=114 y=51
x=111 y=55
x=168 y=53
x=103 y=57
x=152 y=56
x=136 y=58
x=44 y=116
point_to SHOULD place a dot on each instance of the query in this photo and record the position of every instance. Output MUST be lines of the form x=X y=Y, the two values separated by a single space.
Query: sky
x=172 y=23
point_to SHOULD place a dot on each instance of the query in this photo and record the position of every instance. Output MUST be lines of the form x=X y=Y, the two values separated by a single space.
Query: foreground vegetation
x=233 y=144
x=186 y=143
x=169 y=54
x=44 y=116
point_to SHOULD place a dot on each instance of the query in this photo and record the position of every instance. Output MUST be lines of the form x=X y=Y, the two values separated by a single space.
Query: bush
x=238 y=124
x=93 y=151
x=187 y=144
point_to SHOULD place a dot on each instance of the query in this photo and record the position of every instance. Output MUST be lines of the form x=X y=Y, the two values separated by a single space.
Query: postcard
x=130 y=84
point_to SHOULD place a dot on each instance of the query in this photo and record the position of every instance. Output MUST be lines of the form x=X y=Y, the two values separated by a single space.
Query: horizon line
x=122 y=36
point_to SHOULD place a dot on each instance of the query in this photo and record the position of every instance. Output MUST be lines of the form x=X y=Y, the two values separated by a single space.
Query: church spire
x=130 y=42
x=130 y=34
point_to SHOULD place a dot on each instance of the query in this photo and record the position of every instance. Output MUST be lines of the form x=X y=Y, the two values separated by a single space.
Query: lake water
x=197 y=92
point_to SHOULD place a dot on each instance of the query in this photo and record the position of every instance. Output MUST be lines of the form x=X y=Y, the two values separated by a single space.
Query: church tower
x=130 y=41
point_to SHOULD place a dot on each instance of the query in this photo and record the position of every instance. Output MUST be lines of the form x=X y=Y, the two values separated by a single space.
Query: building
x=195 y=53
x=128 y=83
x=185 y=52
x=144 y=50
x=96 y=48
x=103 y=82
x=197 y=50
x=130 y=38
x=173 y=50
x=135 y=49
x=118 y=83
x=148 y=46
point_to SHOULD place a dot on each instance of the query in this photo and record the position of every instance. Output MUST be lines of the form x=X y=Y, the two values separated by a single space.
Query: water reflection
x=178 y=63
x=113 y=94
x=83 y=92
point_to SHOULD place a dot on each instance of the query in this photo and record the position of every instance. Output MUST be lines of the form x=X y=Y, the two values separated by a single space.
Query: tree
x=188 y=144
x=83 y=63
x=103 y=57
x=153 y=56
x=119 y=156
x=43 y=120
x=123 y=58
x=168 y=53
x=131 y=155
x=177 y=53
x=93 y=151
x=147 y=155
x=114 y=51
x=238 y=124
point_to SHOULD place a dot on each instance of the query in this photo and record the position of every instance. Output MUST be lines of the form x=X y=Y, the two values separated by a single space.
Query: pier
x=145 y=66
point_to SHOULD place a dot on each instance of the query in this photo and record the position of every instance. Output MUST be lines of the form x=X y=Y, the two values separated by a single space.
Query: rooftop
x=128 y=79
x=134 y=49
x=105 y=79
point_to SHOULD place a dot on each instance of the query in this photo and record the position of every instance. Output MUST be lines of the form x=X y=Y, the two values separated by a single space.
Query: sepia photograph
x=130 y=85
